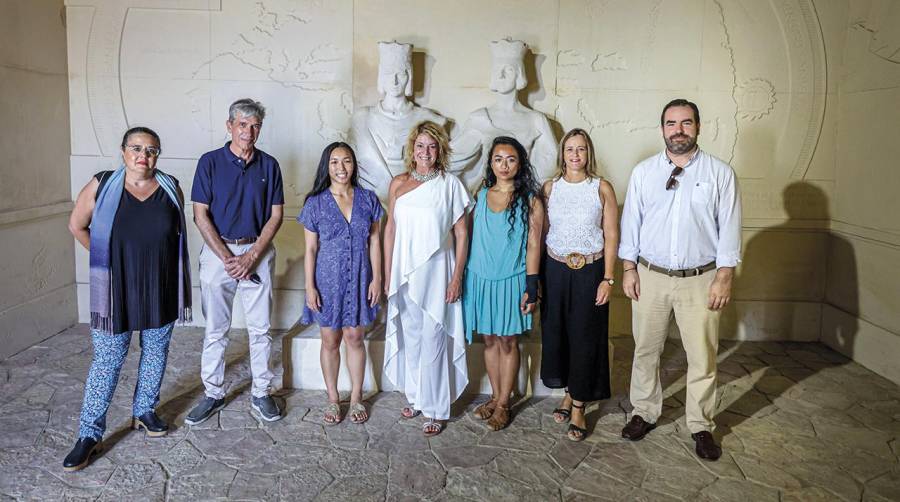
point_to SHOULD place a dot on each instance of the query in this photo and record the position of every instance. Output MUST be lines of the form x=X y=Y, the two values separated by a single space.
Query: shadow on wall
x=754 y=362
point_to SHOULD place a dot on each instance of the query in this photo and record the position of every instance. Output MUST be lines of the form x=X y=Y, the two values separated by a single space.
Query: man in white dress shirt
x=680 y=243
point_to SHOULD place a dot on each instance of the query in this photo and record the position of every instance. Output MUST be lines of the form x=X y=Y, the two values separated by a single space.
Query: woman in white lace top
x=582 y=239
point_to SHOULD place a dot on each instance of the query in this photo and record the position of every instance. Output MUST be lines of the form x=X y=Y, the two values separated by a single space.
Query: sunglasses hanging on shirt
x=672 y=183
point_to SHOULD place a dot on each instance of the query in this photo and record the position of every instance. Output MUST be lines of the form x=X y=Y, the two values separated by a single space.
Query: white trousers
x=217 y=290
x=686 y=298
x=426 y=360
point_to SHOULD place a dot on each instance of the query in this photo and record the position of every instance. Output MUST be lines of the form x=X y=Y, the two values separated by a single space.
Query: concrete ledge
x=303 y=371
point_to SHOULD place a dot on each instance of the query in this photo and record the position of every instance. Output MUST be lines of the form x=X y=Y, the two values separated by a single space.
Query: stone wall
x=38 y=295
x=770 y=79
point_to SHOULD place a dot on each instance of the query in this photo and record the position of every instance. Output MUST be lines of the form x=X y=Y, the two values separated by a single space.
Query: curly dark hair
x=525 y=185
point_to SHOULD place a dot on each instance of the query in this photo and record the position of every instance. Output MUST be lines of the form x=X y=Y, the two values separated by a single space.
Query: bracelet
x=628 y=269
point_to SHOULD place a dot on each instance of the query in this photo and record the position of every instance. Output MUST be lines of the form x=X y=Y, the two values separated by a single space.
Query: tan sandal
x=332 y=414
x=358 y=413
x=500 y=419
x=432 y=428
x=485 y=410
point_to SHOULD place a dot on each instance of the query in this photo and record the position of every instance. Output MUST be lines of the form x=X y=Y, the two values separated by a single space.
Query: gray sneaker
x=267 y=408
x=206 y=408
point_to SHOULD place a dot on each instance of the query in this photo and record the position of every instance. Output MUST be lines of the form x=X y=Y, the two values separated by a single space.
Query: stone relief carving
x=506 y=117
x=378 y=133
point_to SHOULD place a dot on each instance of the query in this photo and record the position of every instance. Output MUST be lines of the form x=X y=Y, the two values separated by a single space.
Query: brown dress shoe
x=637 y=428
x=706 y=446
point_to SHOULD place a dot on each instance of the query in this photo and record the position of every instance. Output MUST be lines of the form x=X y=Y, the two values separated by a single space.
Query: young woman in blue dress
x=502 y=274
x=343 y=271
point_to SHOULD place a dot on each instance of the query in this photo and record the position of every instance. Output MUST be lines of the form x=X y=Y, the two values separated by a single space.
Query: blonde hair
x=436 y=133
x=591 y=164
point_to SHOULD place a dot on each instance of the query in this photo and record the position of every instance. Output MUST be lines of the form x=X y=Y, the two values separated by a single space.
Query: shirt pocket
x=702 y=193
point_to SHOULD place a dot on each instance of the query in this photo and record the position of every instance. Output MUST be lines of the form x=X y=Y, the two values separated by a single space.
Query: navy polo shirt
x=240 y=196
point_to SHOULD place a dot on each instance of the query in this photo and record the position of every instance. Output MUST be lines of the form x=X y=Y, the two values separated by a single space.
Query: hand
x=454 y=290
x=374 y=292
x=524 y=307
x=240 y=267
x=720 y=291
x=603 y=291
x=631 y=283
x=313 y=301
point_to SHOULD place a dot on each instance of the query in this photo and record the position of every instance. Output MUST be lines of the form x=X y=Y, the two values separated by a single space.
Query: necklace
x=422 y=178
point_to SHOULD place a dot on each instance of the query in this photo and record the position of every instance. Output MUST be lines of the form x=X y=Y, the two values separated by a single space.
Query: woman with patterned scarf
x=131 y=220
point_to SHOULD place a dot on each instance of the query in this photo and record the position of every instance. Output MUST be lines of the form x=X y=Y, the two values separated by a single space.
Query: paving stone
x=464 y=432
x=478 y=483
x=300 y=433
x=677 y=481
x=586 y=482
x=355 y=463
x=350 y=437
x=808 y=494
x=529 y=468
x=733 y=490
x=415 y=476
x=247 y=486
x=568 y=454
x=766 y=473
x=232 y=419
x=618 y=460
x=304 y=483
x=281 y=459
x=23 y=428
x=21 y=482
x=887 y=487
x=183 y=457
x=355 y=488
x=817 y=473
x=466 y=456
x=401 y=437
x=133 y=478
x=518 y=439
x=858 y=438
x=206 y=481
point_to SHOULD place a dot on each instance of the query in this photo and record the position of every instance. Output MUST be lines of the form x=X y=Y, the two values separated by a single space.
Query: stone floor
x=797 y=422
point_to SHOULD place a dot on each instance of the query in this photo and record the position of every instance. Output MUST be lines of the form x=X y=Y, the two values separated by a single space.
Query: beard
x=680 y=147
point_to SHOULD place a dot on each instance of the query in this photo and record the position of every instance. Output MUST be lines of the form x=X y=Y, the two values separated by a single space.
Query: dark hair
x=323 y=180
x=679 y=102
x=525 y=185
x=140 y=130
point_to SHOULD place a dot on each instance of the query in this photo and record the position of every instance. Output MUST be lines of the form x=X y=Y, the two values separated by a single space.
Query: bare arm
x=311 y=240
x=375 y=287
x=533 y=248
x=80 y=219
x=461 y=243
x=610 y=226
x=546 y=189
x=209 y=232
x=389 y=232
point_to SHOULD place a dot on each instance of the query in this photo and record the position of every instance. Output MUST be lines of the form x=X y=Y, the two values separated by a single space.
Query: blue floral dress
x=343 y=269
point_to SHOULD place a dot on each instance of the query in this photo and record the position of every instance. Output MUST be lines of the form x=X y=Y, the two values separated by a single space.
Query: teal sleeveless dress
x=495 y=274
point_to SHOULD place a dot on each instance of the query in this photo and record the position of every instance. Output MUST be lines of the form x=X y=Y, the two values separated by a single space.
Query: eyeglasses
x=150 y=151
x=672 y=181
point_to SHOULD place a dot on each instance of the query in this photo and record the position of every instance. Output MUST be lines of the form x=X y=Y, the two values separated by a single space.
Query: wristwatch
x=610 y=280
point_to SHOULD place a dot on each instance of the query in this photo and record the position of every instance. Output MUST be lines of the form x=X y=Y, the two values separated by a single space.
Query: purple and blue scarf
x=101 y=231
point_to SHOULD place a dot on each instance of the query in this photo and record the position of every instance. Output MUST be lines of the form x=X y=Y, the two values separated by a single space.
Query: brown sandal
x=500 y=418
x=485 y=410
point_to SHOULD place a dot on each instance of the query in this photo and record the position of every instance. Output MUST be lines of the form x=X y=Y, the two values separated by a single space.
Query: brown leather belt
x=688 y=272
x=576 y=260
x=242 y=240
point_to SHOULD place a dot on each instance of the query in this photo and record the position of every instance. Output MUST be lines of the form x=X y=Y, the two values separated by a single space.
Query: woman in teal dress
x=502 y=274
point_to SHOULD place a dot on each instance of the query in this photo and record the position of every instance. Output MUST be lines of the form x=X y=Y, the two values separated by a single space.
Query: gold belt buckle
x=575 y=261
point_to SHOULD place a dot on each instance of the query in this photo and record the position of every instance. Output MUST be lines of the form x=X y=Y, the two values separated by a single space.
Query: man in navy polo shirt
x=238 y=207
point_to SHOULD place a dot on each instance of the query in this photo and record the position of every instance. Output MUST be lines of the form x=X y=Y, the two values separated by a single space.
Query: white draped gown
x=425 y=341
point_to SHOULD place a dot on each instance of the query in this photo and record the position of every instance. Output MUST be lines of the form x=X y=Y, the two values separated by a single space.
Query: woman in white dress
x=425 y=247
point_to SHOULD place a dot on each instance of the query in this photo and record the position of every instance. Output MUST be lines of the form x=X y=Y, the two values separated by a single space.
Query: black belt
x=242 y=240
x=688 y=272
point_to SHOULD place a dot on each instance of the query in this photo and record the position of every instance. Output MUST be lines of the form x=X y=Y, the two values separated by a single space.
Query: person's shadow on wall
x=793 y=269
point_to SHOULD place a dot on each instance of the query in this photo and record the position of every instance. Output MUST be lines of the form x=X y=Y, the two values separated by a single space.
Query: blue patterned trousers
x=109 y=356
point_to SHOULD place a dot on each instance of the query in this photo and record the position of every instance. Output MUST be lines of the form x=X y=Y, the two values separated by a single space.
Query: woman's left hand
x=374 y=292
x=603 y=291
x=454 y=290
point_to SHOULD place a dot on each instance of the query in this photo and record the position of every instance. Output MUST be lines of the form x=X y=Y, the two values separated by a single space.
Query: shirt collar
x=667 y=160
x=234 y=159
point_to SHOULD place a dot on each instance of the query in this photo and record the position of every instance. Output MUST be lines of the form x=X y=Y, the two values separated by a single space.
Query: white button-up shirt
x=697 y=222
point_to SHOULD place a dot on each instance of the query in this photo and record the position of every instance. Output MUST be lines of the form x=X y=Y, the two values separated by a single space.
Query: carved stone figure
x=506 y=117
x=378 y=133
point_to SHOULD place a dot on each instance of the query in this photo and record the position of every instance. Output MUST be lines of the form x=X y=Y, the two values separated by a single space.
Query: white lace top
x=576 y=217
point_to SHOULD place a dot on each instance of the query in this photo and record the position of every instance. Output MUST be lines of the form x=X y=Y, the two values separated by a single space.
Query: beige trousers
x=686 y=298
x=217 y=291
